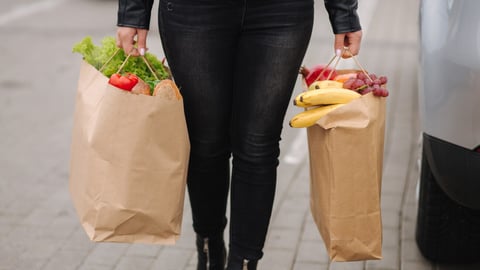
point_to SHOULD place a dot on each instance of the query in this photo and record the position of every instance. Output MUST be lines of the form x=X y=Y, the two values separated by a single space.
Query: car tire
x=446 y=232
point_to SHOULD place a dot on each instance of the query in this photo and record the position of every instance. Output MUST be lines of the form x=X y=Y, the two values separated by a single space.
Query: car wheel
x=446 y=232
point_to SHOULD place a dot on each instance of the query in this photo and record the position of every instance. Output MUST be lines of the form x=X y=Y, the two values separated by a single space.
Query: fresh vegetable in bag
x=125 y=82
x=97 y=56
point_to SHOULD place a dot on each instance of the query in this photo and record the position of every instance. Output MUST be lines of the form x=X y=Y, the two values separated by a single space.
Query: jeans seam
x=242 y=20
x=161 y=29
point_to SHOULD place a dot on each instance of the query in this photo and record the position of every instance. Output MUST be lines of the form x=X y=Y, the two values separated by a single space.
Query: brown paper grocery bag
x=346 y=156
x=129 y=158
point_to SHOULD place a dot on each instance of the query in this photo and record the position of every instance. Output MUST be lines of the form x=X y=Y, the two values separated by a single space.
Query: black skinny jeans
x=236 y=63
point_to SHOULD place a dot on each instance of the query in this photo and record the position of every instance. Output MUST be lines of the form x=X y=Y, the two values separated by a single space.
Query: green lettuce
x=98 y=56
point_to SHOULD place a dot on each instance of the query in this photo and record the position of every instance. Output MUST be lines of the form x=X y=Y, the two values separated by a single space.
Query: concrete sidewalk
x=38 y=225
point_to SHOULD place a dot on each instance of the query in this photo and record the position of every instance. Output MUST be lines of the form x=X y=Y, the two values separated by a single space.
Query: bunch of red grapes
x=364 y=84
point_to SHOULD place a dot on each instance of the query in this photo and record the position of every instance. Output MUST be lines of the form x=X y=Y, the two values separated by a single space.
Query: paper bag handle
x=125 y=61
x=109 y=59
x=338 y=58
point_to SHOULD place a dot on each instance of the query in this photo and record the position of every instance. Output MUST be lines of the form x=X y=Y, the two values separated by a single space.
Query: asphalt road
x=38 y=78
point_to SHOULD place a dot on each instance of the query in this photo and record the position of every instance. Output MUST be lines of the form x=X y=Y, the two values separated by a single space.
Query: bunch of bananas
x=321 y=98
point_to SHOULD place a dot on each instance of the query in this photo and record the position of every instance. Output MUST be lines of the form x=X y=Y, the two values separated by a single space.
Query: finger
x=134 y=52
x=354 y=40
x=129 y=49
x=117 y=40
x=142 y=40
x=339 y=43
x=125 y=38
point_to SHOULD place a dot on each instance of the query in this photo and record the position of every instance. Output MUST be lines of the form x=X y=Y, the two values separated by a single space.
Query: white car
x=448 y=224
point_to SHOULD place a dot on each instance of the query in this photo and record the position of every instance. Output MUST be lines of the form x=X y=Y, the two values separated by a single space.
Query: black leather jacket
x=342 y=13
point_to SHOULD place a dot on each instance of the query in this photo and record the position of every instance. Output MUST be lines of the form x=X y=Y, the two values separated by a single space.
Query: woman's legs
x=274 y=39
x=236 y=63
x=200 y=42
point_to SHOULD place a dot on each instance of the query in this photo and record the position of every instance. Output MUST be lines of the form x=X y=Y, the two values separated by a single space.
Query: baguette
x=167 y=89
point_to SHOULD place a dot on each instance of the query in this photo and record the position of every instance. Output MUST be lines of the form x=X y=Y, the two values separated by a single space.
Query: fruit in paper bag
x=366 y=83
x=299 y=103
x=310 y=117
x=317 y=73
x=325 y=97
x=344 y=77
x=325 y=84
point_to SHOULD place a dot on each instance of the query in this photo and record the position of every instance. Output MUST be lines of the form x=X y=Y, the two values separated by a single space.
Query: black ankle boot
x=211 y=252
x=236 y=263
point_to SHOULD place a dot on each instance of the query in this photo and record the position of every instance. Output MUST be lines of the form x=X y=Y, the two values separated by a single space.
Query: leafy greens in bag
x=97 y=56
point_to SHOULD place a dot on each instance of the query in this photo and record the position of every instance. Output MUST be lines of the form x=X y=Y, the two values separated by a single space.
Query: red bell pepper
x=125 y=82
